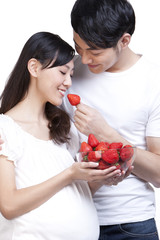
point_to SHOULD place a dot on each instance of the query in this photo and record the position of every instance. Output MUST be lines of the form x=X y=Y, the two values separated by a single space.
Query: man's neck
x=126 y=60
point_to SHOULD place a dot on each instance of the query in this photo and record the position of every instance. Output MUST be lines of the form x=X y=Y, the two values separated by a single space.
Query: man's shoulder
x=150 y=65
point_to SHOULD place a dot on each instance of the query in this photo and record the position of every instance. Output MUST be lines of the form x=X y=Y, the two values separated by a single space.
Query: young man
x=124 y=89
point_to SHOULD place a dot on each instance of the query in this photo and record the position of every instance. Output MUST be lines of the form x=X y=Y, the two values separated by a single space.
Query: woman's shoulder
x=13 y=143
x=8 y=128
x=6 y=120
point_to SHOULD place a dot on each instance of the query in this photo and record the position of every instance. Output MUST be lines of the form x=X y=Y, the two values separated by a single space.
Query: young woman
x=44 y=194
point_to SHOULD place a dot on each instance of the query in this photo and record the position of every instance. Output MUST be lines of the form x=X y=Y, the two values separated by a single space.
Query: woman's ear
x=33 y=66
x=125 y=40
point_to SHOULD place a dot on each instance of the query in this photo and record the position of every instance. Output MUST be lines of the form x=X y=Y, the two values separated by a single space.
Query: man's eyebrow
x=90 y=48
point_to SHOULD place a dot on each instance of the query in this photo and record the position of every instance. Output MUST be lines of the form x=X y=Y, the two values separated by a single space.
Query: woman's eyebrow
x=68 y=67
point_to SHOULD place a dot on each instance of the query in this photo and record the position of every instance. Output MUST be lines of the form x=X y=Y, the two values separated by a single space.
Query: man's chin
x=95 y=70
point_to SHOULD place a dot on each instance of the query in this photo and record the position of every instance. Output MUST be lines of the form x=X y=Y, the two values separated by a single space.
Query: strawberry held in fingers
x=74 y=99
x=92 y=140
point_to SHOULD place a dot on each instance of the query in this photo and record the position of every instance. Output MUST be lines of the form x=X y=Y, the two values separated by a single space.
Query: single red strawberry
x=102 y=146
x=92 y=140
x=110 y=156
x=128 y=146
x=103 y=165
x=126 y=153
x=115 y=145
x=85 y=147
x=74 y=99
x=94 y=156
x=118 y=166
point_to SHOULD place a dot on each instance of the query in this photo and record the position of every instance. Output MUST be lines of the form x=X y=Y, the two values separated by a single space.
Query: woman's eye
x=62 y=72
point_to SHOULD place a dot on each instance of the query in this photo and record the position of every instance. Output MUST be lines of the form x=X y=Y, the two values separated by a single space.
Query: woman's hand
x=87 y=171
x=119 y=178
x=110 y=181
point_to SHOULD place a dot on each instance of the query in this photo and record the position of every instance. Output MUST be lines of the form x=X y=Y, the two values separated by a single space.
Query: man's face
x=98 y=59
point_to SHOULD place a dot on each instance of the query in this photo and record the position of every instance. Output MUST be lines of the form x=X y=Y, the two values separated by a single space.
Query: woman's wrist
x=68 y=175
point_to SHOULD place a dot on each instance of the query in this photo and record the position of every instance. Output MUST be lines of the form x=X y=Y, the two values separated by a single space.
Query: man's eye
x=96 y=53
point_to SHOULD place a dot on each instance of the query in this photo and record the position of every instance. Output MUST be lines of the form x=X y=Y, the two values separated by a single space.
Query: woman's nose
x=68 y=81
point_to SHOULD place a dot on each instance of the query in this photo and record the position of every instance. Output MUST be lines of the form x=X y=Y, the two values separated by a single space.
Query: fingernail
x=96 y=163
x=118 y=174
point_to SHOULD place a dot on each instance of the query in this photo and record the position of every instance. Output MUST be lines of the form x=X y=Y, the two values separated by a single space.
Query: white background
x=19 y=19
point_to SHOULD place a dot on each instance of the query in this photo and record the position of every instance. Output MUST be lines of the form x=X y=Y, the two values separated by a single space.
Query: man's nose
x=85 y=58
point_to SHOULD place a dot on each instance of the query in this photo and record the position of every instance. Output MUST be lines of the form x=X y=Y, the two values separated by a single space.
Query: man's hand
x=89 y=120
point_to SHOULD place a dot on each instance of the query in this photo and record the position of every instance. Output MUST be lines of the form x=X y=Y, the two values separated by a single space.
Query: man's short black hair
x=101 y=23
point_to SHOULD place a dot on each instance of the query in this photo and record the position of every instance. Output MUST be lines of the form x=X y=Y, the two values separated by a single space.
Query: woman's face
x=52 y=83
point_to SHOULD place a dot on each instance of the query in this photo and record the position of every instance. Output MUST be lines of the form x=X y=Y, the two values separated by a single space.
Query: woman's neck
x=30 y=116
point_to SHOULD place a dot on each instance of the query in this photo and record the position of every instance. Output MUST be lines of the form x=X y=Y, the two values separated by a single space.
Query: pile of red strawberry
x=107 y=154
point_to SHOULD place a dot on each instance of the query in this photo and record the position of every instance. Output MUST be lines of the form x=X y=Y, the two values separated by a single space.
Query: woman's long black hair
x=45 y=47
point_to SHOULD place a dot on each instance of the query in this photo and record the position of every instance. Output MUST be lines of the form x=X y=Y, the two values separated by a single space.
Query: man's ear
x=125 y=40
x=33 y=66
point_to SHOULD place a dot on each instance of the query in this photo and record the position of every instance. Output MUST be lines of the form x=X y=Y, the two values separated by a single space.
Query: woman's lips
x=62 y=92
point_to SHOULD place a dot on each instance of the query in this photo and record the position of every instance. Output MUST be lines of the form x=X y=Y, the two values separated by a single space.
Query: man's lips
x=93 y=66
